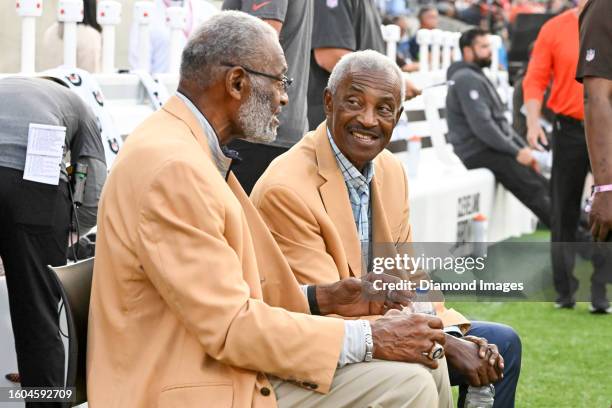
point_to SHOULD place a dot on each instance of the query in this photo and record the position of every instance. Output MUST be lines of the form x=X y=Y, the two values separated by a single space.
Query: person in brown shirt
x=595 y=69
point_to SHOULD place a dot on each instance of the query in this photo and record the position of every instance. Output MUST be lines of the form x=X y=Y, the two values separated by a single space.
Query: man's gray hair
x=369 y=61
x=229 y=37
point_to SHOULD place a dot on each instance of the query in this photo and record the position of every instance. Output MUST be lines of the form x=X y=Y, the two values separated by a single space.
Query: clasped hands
x=408 y=337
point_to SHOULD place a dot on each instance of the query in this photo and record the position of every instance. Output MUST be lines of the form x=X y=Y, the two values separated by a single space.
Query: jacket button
x=265 y=391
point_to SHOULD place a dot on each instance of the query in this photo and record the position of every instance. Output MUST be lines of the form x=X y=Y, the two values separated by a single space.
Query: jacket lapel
x=383 y=242
x=335 y=199
x=381 y=232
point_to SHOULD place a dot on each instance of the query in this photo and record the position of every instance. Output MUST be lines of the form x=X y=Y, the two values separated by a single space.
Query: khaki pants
x=377 y=384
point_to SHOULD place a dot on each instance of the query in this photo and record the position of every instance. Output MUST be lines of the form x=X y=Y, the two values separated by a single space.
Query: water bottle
x=421 y=303
x=480 y=397
x=479 y=235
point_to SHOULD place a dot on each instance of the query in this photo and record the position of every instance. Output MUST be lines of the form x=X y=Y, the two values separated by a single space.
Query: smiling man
x=192 y=302
x=337 y=197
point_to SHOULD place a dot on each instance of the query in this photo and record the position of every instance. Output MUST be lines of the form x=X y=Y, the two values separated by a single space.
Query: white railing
x=143 y=10
x=438 y=179
x=108 y=16
x=69 y=13
x=177 y=20
x=437 y=48
x=28 y=10
x=130 y=98
x=391 y=35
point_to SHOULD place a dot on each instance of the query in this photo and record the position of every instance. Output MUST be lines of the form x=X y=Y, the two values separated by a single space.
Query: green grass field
x=567 y=354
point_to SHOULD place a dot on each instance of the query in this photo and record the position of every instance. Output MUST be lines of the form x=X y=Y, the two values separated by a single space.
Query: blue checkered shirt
x=358 y=185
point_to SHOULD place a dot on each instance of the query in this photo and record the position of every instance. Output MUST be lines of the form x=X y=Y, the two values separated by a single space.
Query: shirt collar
x=221 y=160
x=350 y=173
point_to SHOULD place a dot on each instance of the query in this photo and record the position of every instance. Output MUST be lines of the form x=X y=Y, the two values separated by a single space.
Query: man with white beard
x=193 y=304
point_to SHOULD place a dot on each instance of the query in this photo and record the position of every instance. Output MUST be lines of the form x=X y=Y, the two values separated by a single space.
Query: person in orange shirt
x=554 y=57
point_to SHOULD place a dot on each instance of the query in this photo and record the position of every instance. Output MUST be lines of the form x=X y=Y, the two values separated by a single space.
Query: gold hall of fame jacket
x=192 y=302
x=303 y=199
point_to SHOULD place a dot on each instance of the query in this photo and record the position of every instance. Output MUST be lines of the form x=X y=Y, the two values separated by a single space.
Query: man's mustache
x=363 y=131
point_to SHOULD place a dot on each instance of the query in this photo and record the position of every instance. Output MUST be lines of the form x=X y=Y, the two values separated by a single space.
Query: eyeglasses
x=285 y=81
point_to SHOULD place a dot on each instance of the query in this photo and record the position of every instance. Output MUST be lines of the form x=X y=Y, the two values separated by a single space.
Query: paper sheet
x=44 y=153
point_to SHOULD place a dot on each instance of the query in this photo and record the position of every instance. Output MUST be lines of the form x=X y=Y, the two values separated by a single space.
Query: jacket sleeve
x=298 y=234
x=184 y=250
x=472 y=95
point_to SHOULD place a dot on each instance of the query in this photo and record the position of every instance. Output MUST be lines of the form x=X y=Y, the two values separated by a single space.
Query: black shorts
x=595 y=58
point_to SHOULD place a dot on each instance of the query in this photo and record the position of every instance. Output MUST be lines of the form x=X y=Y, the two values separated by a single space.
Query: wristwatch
x=369 y=342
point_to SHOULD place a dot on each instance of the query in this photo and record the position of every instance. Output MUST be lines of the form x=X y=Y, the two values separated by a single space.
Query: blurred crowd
x=495 y=16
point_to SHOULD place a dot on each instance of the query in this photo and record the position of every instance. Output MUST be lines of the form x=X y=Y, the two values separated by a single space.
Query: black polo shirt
x=595 y=58
x=350 y=24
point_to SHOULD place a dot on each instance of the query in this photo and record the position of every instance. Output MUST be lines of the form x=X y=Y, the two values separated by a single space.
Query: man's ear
x=467 y=54
x=236 y=84
x=399 y=114
x=328 y=102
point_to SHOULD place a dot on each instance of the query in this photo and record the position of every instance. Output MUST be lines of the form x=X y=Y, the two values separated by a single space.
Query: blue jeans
x=509 y=345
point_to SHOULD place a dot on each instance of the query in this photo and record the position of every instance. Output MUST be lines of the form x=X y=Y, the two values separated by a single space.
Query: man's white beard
x=256 y=120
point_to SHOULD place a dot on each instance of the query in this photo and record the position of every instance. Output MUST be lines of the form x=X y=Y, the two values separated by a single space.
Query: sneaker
x=600 y=310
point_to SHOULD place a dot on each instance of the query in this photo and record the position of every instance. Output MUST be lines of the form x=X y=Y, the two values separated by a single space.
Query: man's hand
x=535 y=133
x=525 y=157
x=536 y=137
x=477 y=360
x=411 y=90
x=600 y=218
x=405 y=337
x=598 y=122
x=353 y=297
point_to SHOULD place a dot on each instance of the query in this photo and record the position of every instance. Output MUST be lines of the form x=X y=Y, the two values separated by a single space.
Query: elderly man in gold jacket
x=193 y=304
x=338 y=199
